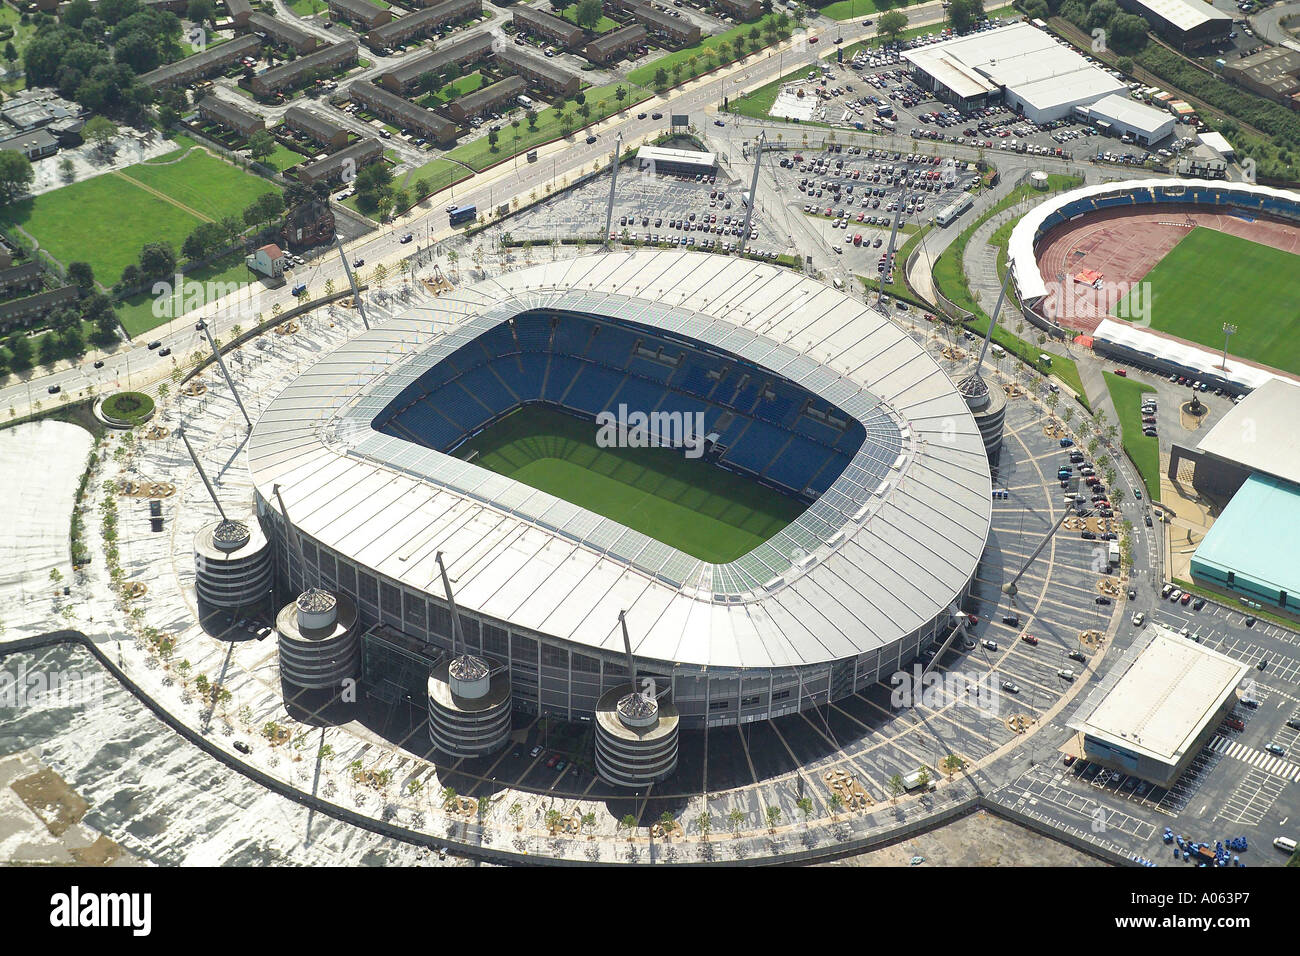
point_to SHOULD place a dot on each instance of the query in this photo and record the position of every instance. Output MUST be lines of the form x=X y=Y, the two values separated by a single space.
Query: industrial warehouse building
x=1158 y=706
x=1019 y=64
x=1185 y=23
x=1274 y=72
x=1251 y=460
x=1118 y=115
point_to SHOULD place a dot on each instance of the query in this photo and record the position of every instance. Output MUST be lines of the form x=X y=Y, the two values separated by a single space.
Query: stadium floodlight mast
x=759 y=142
x=1228 y=330
x=613 y=183
x=202 y=326
x=292 y=532
x=993 y=321
x=356 y=293
x=203 y=474
x=457 y=638
x=1010 y=588
x=889 y=250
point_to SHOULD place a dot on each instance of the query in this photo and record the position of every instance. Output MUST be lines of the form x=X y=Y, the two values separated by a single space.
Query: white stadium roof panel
x=1259 y=433
x=525 y=557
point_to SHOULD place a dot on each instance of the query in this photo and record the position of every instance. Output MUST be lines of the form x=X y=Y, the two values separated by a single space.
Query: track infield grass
x=688 y=504
x=1210 y=278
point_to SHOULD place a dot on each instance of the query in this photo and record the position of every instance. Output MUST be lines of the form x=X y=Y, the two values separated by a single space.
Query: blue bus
x=459 y=214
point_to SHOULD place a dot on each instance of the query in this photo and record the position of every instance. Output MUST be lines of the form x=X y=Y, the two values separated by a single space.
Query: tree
x=588 y=14
x=661 y=78
x=837 y=803
x=628 y=823
x=157 y=259
x=100 y=130
x=20 y=351
x=773 y=815
x=531 y=116
x=963 y=14
x=705 y=823
x=735 y=818
x=493 y=137
x=922 y=777
x=620 y=93
x=82 y=276
x=261 y=145
x=1128 y=32
x=951 y=764
x=892 y=24
x=15 y=175
x=805 y=806
x=895 y=785
x=200 y=11
x=516 y=811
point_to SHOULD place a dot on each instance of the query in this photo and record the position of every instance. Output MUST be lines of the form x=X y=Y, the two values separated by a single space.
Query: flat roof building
x=1019 y=64
x=361 y=153
x=1274 y=72
x=1158 y=706
x=613 y=45
x=201 y=65
x=663 y=160
x=540 y=72
x=34 y=144
x=363 y=13
x=406 y=76
x=1119 y=114
x=1252 y=548
x=229 y=115
x=423 y=22
x=566 y=34
x=328 y=132
x=1186 y=23
x=282 y=33
x=464 y=108
x=403 y=113
x=326 y=61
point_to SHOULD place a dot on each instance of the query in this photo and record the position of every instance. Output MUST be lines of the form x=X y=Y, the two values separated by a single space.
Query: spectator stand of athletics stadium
x=1121 y=230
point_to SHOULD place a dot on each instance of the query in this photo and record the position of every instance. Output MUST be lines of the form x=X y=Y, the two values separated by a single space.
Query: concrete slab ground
x=977 y=839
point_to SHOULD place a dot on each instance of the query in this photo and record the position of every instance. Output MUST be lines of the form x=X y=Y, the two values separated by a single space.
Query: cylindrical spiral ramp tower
x=636 y=738
x=318 y=636
x=989 y=406
x=636 y=735
x=232 y=564
x=469 y=706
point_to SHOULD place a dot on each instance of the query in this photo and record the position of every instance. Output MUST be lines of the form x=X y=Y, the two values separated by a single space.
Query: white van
x=1284 y=843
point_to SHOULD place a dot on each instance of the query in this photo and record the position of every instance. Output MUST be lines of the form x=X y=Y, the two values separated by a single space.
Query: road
x=557 y=162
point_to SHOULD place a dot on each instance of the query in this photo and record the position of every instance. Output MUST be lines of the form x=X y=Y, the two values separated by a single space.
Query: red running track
x=1124 y=245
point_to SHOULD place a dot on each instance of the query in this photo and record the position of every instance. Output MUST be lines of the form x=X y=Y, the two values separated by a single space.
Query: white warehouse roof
x=898 y=561
x=1124 y=110
x=1029 y=62
x=1165 y=694
x=1184 y=14
x=1259 y=432
x=661 y=154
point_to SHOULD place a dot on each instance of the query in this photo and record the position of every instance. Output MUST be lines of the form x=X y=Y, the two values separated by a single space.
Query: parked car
x=99 y=363
x=1275 y=749
x=989 y=645
x=1010 y=687
x=154 y=344
x=54 y=389
x=407 y=238
x=1030 y=639
x=1077 y=656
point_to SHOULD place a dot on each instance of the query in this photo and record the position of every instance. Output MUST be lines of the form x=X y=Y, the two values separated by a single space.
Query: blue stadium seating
x=589 y=372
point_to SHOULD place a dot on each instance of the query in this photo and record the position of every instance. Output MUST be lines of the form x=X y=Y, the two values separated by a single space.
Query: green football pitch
x=1210 y=278
x=688 y=504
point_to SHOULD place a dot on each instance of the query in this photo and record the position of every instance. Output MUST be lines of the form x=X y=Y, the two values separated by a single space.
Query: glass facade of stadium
x=406 y=631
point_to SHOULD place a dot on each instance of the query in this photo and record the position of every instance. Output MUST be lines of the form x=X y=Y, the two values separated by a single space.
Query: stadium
x=1147 y=268
x=819 y=532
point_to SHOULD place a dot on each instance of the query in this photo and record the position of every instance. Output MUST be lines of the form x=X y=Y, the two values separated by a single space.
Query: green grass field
x=1144 y=451
x=1210 y=278
x=687 y=504
x=107 y=220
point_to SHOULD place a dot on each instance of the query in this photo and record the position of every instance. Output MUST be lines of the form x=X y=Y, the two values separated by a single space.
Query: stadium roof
x=1255 y=536
x=1026 y=60
x=1194 y=358
x=1259 y=433
x=887 y=549
x=1160 y=696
